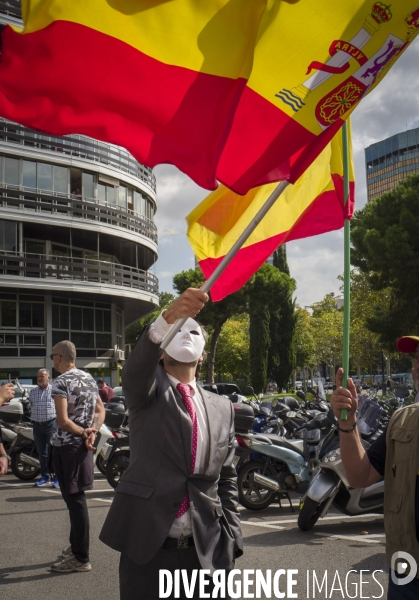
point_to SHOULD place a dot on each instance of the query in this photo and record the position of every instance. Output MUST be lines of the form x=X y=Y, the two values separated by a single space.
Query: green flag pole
x=346 y=268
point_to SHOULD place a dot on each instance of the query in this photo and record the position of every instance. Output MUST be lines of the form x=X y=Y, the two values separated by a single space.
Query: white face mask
x=188 y=344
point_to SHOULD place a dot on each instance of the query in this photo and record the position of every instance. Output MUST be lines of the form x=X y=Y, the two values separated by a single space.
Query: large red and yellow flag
x=241 y=91
x=313 y=205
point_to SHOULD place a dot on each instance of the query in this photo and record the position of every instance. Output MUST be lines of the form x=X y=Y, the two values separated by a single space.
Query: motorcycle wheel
x=99 y=464
x=310 y=512
x=251 y=496
x=115 y=468
x=21 y=469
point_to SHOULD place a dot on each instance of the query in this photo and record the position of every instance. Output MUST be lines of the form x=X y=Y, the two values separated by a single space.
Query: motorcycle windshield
x=369 y=414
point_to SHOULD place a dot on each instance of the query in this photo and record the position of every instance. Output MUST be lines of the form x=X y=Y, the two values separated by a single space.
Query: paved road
x=34 y=528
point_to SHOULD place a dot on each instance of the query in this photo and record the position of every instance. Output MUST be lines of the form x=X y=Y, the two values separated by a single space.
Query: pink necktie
x=185 y=392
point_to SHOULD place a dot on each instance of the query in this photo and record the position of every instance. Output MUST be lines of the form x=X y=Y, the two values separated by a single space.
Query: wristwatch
x=3 y=456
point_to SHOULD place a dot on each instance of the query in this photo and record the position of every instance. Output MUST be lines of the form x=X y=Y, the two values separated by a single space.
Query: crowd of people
x=176 y=507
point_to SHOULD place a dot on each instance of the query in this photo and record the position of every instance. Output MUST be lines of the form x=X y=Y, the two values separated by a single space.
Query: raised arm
x=359 y=470
x=139 y=372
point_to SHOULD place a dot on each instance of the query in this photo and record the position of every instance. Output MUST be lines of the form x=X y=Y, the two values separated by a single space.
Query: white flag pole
x=230 y=255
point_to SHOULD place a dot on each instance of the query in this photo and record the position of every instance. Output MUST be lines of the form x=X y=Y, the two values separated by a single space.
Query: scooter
x=278 y=465
x=24 y=459
x=117 y=457
x=329 y=485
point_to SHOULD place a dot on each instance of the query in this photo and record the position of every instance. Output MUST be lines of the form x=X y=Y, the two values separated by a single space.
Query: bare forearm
x=71 y=427
x=355 y=460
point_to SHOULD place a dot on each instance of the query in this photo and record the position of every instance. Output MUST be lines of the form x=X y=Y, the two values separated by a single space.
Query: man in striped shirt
x=43 y=419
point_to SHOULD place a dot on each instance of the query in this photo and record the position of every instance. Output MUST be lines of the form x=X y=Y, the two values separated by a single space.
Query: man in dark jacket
x=176 y=505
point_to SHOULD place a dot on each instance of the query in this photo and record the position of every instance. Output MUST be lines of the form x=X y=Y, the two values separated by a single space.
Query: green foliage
x=327 y=327
x=281 y=356
x=365 y=345
x=280 y=259
x=304 y=344
x=135 y=329
x=269 y=292
x=386 y=250
x=232 y=358
x=259 y=344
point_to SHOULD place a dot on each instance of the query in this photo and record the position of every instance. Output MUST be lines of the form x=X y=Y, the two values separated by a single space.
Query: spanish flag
x=313 y=205
x=245 y=92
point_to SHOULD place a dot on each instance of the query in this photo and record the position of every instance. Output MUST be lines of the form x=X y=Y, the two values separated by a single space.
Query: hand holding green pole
x=346 y=269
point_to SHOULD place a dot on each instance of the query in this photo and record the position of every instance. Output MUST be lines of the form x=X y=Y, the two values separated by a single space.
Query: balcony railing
x=44 y=202
x=78 y=145
x=84 y=270
x=12 y=8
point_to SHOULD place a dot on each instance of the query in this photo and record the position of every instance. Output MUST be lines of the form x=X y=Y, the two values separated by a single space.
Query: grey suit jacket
x=151 y=490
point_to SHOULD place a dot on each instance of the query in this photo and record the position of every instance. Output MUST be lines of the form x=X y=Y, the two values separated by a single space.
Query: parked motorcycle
x=330 y=485
x=116 y=458
x=276 y=465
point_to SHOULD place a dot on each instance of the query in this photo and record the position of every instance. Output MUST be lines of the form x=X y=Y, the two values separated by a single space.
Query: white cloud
x=314 y=262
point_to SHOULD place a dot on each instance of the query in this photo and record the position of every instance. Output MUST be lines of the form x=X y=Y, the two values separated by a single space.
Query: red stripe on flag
x=68 y=78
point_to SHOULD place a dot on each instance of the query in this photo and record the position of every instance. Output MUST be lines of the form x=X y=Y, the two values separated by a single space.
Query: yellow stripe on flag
x=217 y=222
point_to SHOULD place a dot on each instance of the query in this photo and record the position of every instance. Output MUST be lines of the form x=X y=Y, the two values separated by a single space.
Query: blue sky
x=314 y=262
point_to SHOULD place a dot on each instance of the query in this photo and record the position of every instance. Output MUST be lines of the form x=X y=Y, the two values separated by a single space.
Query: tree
x=214 y=314
x=135 y=329
x=232 y=357
x=269 y=290
x=281 y=359
x=365 y=345
x=304 y=346
x=280 y=259
x=327 y=326
x=386 y=249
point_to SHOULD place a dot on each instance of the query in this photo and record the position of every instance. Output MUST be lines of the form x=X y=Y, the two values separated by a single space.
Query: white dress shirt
x=182 y=525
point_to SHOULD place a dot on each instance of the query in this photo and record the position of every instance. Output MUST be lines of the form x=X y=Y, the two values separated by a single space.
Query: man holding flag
x=176 y=505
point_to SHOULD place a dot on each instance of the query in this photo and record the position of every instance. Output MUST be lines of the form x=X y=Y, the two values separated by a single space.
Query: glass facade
x=85 y=323
x=390 y=161
x=41 y=177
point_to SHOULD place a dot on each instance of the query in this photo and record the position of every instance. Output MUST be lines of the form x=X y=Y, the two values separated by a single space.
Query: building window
x=8 y=236
x=44 y=176
x=8 y=313
x=31 y=315
x=88 y=327
x=88 y=185
x=61 y=180
x=11 y=171
x=29 y=174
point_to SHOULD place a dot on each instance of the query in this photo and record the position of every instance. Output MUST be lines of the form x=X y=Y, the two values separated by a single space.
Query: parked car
x=298 y=385
x=118 y=391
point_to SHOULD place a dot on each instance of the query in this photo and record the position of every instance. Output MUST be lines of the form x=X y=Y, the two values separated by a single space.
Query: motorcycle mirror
x=301 y=394
x=21 y=389
x=248 y=390
x=321 y=390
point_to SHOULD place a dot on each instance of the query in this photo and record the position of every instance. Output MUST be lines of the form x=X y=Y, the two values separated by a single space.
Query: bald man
x=76 y=400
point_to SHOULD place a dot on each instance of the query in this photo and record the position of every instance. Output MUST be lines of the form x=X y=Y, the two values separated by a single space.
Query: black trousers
x=73 y=475
x=141 y=582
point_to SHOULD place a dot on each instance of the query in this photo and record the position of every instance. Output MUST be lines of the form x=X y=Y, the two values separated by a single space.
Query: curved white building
x=77 y=239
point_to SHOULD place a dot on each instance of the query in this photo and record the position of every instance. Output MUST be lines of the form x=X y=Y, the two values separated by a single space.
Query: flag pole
x=231 y=254
x=346 y=268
